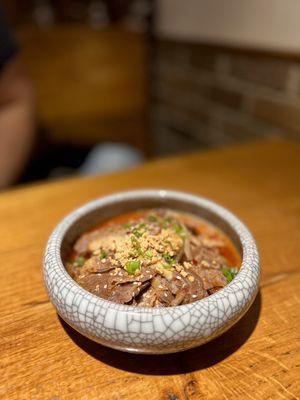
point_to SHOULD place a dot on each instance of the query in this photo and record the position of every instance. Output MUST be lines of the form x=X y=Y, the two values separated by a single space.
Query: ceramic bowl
x=149 y=330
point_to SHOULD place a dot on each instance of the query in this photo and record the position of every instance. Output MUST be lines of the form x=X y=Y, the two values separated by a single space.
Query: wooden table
x=42 y=358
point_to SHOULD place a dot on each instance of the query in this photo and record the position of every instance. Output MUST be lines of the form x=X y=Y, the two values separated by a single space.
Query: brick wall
x=205 y=96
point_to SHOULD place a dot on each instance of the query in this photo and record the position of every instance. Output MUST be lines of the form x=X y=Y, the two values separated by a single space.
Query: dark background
x=101 y=74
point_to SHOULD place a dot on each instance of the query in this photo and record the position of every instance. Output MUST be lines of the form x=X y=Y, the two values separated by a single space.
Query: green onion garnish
x=132 y=266
x=135 y=243
x=149 y=254
x=229 y=273
x=152 y=218
x=137 y=233
x=179 y=230
x=80 y=261
x=168 y=258
x=127 y=225
x=136 y=246
x=166 y=222
x=103 y=254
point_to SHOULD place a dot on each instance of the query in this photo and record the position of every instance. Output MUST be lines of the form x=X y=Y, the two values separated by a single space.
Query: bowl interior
x=105 y=211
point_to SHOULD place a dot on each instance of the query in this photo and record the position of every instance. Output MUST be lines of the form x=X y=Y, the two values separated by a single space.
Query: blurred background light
x=119 y=82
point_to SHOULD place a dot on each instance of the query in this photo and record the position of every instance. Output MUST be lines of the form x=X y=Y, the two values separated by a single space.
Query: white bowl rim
x=248 y=245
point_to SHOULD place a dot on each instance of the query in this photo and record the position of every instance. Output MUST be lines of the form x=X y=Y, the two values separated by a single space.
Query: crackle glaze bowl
x=149 y=330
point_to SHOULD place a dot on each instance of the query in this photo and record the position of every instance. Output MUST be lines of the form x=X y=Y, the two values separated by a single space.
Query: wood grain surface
x=259 y=358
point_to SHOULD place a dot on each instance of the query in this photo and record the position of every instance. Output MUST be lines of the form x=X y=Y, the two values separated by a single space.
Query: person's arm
x=16 y=121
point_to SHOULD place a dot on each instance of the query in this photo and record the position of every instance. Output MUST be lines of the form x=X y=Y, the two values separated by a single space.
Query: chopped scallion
x=168 y=258
x=80 y=261
x=179 y=230
x=229 y=273
x=103 y=254
x=137 y=233
x=136 y=245
x=149 y=254
x=166 y=222
x=127 y=225
x=132 y=266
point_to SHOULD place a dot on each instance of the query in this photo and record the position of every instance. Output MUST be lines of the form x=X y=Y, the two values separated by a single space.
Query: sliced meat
x=133 y=302
x=214 y=290
x=177 y=282
x=82 y=244
x=191 y=224
x=195 y=241
x=161 y=212
x=212 y=242
x=195 y=288
x=207 y=257
x=108 y=287
x=212 y=278
x=124 y=293
x=111 y=238
x=73 y=270
x=147 y=298
x=92 y=241
x=179 y=297
x=187 y=251
x=158 y=303
x=98 y=284
x=162 y=290
x=122 y=276
x=146 y=274
x=94 y=265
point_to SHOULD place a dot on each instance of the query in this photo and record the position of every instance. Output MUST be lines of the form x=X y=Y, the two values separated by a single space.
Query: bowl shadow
x=187 y=361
